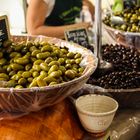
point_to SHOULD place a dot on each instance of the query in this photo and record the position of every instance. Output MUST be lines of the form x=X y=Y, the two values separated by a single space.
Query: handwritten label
x=78 y=36
x=4 y=29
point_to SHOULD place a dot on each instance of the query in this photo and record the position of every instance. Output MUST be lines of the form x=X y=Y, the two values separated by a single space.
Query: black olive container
x=127 y=98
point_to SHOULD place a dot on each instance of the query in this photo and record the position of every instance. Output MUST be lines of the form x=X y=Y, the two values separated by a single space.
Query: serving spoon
x=103 y=66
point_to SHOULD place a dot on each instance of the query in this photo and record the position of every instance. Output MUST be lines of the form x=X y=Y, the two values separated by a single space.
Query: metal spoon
x=103 y=66
x=117 y=20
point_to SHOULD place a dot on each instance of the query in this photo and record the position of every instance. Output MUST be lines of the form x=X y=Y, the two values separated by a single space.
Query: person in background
x=53 y=17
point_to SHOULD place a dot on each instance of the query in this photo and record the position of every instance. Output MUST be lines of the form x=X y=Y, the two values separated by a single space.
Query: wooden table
x=59 y=122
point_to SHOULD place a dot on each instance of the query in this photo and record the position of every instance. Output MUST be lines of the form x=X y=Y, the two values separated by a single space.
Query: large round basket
x=18 y=102
x=124 y=38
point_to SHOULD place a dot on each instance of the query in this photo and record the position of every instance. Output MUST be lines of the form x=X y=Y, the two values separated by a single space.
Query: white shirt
x=50 y=4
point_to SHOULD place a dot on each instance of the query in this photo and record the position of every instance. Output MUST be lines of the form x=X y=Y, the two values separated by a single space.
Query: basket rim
x=120 y=31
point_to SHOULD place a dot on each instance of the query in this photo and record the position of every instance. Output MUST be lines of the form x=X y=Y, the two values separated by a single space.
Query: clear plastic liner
x=18 y=102
x=126 y=123
x=124 y=38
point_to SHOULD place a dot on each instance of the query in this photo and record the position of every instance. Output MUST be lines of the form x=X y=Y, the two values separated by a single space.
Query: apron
x=64 y=12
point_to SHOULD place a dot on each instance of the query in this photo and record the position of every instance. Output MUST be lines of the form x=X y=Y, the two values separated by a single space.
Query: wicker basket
x=124 y=38
x=127 y=98
x=18 y=102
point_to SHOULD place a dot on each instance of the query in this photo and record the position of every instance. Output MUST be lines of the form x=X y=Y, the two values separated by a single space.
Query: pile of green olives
x=37 y=64
x=131 y=19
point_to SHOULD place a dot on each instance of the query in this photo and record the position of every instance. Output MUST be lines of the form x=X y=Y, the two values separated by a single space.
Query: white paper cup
x=96 y=112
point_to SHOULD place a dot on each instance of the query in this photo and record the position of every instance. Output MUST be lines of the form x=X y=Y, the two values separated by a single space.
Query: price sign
x=4 y=29
x=78 y=36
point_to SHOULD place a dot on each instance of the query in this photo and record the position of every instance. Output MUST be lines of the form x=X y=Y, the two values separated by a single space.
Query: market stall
x=44 y=81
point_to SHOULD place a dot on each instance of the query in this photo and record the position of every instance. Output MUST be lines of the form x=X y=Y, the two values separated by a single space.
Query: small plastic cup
x=96 y=112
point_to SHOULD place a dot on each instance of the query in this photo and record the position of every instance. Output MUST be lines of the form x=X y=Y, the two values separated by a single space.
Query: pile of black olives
x=37 y=64
x=126 y=72
x=131 y=17
x=120 y=80
x=122 y=58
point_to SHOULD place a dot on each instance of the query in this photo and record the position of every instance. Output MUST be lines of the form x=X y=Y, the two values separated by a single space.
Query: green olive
x=61 y=61
x=78 y=60
x=27 y=55
x=32 y=48
x=18 y=87
x=5 y=67
x=49 y=79
x=1 y=54
x=11 y=73
x=81 y=69
x=48 y=60
x=11 y=83
x=30 y=79
x=20 y=72
x=46 y=48
x=54 y=63
x=65 y=51
x=38 y=62
x=22 y=61
x=2 y=79
x=28 y=67
x=62 y=68
x=14 y=54
x=44 y=66
x=3 y=61
x=16 y=77
x=70 y=55
x=55 y=74
x=22 y=81
x=9 y=68
x=42 y=76
x=16 y=67
x=43 y=55
x=2 y=70
x=35 y=52
x=41 y=82
x=26 y=74
x=53 y=68
x=36 y=68
x=3 y=75
x=44 y=73
x=35 y=74
x=70 y=74
x=33 y=83
x=52 y=83
x=68 y=66
x=33 y=59
x=19 y=47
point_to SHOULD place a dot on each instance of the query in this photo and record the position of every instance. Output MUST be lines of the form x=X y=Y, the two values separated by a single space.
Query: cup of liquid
x=96 y=112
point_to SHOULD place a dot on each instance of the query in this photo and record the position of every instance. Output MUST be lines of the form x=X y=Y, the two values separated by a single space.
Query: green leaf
x=118 y=6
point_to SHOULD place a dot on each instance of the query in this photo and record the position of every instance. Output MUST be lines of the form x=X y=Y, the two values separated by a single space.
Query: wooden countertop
x=61 y=122
x=58 y=122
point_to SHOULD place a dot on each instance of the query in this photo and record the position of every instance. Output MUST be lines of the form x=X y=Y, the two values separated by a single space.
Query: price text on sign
x=78 y=36
x=4 y=29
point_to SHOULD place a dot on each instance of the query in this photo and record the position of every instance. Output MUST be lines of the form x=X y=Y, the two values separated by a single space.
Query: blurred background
x=16 y=12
